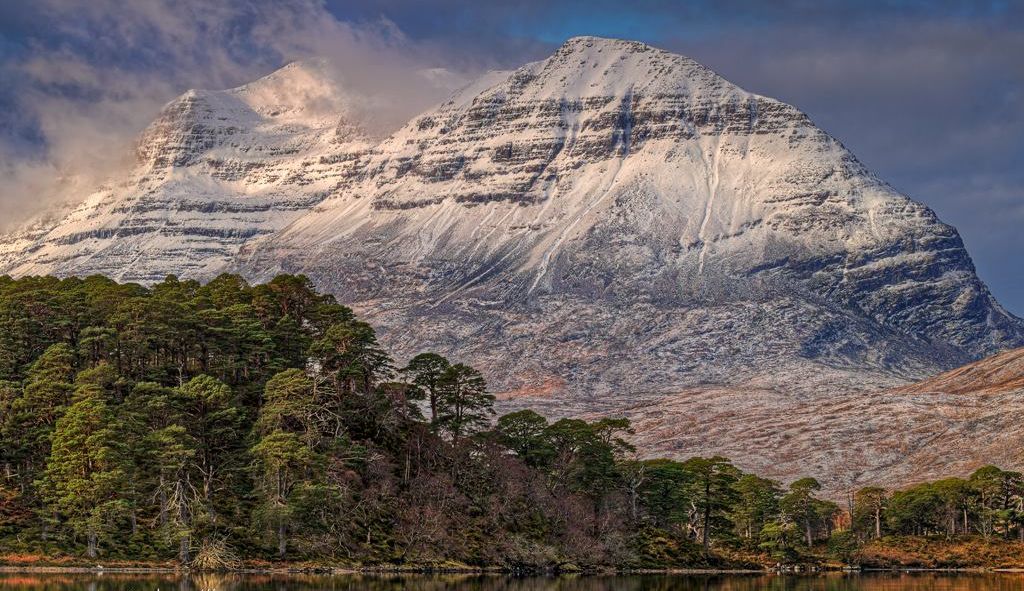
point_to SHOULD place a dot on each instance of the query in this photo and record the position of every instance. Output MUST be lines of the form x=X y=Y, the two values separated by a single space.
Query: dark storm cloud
x=86 y=77
x=929 y=94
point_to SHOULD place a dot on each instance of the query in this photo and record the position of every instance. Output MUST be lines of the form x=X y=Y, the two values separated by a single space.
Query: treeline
x=988 y=503
x=216 y=423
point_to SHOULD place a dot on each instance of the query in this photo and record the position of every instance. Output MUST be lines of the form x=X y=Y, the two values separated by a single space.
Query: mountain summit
x=614 y=225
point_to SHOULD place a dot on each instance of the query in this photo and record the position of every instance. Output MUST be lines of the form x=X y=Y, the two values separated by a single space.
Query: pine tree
x=868 y=504
x=87 y=470
x=165 y=460
x=30 y=419
x=214 y=420
x=757 y=503
x=465 y=406
x=526 y=433
x=352 y=358
x=425 y=372
x=799 y=503
x=285 y=460
x=289 y=405
x=712 y=494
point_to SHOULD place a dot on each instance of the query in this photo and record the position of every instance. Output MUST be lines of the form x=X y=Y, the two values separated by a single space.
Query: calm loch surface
x=831 y=582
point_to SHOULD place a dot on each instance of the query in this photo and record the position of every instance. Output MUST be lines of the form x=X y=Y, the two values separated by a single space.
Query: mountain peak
x=584 y=42
x=303 y=90
x=600 y=66
x=715 y=190
x=619 y=48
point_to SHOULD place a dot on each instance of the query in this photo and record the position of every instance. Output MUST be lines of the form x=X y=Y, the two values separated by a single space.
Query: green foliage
x=997 y=494
x=87 y=469
x=220 y=422
x=526 y=434
x=869 y=506
x=585 y=461
x=801 y=506
x=215 y=421
x=283 y=465
x=464 y=405
x=988 y=503
x=288 y=403
x=658 y=548
x=425 y=372
x=665 y=492
x=350 y=354
x=757 y=502
x=780 y=538
x=165 y=463
x=32 y=412
x=843 y=546
x=712 y=491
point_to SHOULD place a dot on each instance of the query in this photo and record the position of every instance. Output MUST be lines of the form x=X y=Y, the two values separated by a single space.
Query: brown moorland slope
x=947 y=425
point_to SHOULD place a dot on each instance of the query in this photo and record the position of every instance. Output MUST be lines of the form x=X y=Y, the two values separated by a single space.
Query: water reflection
x=213 y=582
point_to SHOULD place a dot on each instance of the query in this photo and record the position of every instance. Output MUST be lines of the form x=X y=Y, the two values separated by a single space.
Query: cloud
x=90 y=76
x=390 y=77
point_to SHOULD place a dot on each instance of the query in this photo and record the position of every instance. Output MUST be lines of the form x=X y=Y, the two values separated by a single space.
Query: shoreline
x=370 y=571
x=374 y=571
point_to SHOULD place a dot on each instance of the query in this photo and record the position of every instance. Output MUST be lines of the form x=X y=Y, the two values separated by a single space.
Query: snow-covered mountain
x=613 y=229
x=214 y=170
x=618 y=218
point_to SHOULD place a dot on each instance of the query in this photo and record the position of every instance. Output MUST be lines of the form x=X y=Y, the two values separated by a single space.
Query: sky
x=928 y=94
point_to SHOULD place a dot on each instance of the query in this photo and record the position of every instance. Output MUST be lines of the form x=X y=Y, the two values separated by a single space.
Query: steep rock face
x=214 y=170
x=618 y=219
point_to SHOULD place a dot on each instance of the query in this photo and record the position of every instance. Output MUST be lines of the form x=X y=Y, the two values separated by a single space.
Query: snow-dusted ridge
x=613 y=226
x=214 y=170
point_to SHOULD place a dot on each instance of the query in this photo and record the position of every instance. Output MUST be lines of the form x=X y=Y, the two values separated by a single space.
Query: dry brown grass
x=937 y=552
x=27 y=559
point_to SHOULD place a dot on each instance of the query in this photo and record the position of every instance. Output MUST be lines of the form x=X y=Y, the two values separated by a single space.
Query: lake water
x=830 y=582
